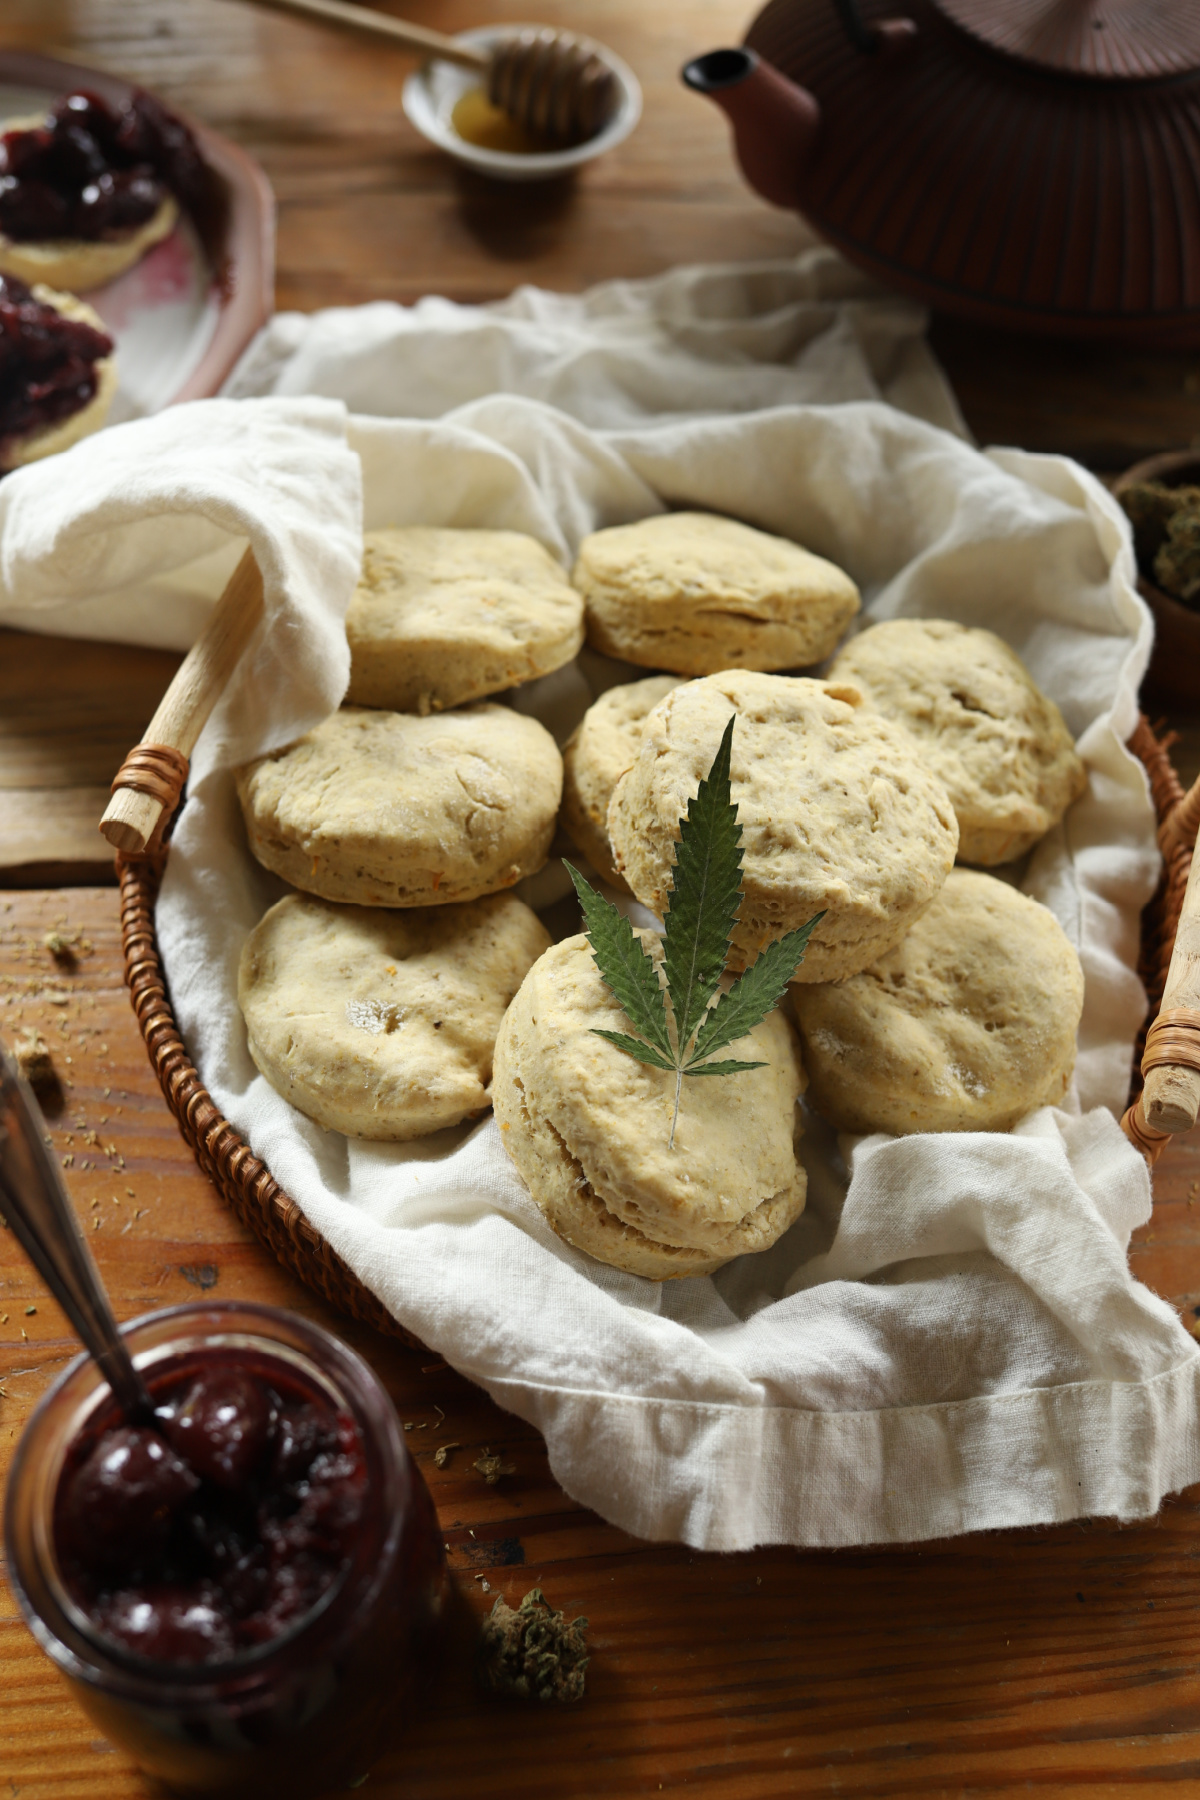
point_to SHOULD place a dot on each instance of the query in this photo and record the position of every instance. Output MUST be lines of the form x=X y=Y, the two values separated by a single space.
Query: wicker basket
x=228 y=1161
x=259 y=1201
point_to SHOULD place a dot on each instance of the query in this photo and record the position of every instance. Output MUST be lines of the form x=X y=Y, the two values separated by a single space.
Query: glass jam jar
x=310 y=1708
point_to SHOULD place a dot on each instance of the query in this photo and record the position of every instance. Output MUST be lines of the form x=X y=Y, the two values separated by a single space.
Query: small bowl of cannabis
x=1162 y=499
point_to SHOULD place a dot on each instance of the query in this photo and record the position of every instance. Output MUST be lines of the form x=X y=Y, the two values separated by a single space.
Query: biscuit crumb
x=530 y=1652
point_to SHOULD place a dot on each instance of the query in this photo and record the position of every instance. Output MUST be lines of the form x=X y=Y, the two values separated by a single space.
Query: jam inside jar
x=244 y=1596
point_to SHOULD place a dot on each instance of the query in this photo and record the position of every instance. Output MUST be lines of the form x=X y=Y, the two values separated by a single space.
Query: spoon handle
x=35 y=1205
x=368 y=23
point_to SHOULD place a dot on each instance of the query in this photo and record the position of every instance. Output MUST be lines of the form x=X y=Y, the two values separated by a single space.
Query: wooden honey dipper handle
x=550 y=81
x=367 y=23
x=133 y=815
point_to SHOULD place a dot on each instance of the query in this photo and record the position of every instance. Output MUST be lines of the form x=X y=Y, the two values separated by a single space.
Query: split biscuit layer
x=77 y=265
x=60 y=434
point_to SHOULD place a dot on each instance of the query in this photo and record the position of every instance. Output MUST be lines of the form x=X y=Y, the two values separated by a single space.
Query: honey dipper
x=550 y=81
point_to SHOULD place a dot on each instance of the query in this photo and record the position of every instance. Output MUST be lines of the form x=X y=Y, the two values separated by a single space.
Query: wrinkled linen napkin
x=949 y=1338
x=811 y=330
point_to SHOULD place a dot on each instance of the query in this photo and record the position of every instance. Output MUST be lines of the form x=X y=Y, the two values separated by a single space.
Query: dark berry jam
x=222 y=1528
x=248 y=1599
x=47 y=363
x=94 y=171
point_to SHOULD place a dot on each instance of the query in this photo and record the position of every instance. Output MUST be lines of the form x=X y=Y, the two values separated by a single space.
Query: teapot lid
x=1123 y=39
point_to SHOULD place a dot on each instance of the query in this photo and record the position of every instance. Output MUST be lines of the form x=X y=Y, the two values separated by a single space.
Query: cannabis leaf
x=671 y=1004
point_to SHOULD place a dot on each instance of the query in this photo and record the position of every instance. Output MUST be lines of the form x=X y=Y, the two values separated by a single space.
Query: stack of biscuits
x=402 y=988
x=372 y=997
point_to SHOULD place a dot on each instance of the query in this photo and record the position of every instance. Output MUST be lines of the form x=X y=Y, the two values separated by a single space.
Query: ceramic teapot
x=1033 y=164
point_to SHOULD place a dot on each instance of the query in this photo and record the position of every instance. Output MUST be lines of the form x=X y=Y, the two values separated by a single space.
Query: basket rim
x=248 y=1186
x=240 y=1177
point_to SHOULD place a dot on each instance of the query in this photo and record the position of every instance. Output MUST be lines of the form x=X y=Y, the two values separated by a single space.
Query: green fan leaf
x=721 y=1068
x=625 y=967
x=645 y=1053
x=753 y=995
x=705 y=891
x=684 y=1023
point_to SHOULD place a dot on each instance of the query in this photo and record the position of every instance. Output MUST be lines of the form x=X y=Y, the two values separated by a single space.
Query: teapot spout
x=775 y=122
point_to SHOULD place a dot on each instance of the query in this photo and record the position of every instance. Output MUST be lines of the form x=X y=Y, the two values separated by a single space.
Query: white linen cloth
x=812 y=330
x=949 y=1338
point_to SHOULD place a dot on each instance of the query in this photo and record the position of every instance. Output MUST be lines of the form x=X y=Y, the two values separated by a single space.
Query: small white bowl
x=432 y=92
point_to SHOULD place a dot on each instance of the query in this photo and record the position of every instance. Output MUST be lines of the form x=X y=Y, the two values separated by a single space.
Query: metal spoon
x=34 y=1202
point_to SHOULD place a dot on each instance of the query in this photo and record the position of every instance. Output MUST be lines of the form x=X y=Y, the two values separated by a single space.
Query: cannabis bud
x=530 y=1652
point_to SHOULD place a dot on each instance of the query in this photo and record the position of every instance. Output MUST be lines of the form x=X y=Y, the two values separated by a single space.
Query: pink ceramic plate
x=184 y=314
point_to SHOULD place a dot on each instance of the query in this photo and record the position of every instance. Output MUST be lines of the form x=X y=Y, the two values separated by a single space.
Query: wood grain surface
x=1061 y=1661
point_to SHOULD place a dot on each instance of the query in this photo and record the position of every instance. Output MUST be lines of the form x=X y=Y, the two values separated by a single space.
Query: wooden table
x=1061 y=1661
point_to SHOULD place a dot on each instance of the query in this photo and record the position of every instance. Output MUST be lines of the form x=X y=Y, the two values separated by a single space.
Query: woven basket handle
x=150 y=780
x=1170 y=1099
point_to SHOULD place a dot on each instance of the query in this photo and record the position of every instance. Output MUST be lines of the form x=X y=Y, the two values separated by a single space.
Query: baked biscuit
x=382 y=1024
x=79 y=264
x=443 y=616
x=48 y=440
x=598 y=752
x=1001 y=748
x=386 y=809
x=696 y=593
x=587 y=1127
x=838 y=813
x=967 y=1025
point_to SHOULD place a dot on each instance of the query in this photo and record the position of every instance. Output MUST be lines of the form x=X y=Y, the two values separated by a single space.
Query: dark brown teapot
x=1031 y=163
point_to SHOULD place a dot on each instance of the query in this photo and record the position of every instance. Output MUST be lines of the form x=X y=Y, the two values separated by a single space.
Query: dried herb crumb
x=1166 y=531
x=36 y=1065
x=493 y=1467
x=442 y=1452
x=530 y=1652
x=59 y=948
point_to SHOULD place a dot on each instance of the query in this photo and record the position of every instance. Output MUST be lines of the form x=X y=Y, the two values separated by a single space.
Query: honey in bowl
x=477 y=121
